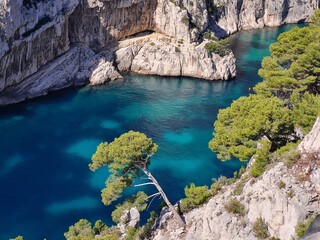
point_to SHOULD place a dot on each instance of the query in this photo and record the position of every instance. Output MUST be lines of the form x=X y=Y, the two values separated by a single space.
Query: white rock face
x=104 y=70
x=72 y=68
x=166 y=59
x=281 y=208
x=311 y=142
x=234 y=15
x=129 y=219
x=310 y=151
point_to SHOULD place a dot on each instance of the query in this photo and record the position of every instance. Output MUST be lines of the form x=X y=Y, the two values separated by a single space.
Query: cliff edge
x=280 y=200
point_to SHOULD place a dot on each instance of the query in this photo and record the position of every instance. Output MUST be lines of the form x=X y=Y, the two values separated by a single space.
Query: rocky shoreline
x=283 y=197
x=49 y=45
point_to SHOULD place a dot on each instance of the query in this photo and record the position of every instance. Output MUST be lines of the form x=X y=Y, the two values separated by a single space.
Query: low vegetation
x=235 y=206
x=17 y=238
x=303 y=227
x=220 y=47
x=82 y=230
x=260 y=229
x=281 y=184
x=195 y=196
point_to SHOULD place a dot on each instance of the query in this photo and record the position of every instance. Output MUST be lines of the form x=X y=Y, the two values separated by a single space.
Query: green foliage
x=219 y=47
x=131 y=233
x=240 y=126
x=290 y=194
x=125 y=157
x=177 y=50
x=147 y=228
x=17 y=238
x=261 y=159
x=281 y=184
x=315 y=19
x=123 y=153
x=283 y=151
x=238 y=174
x=81 y=230
x=113 y=190
x=210 y=36
x=294 y=64
x=306 y=109
x=110 y=233
x=260 y=229
x=139 y=201
x=287 y=99
x=239 y=188
x=235 y=207
x=195 y=196
x=215 y=187
x=291 y=158
x=303 y=227
x=99 y=227
x=224 y=181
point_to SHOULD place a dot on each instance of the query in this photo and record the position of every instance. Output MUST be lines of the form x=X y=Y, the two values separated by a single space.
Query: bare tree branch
x=142 y=184
x=155 y=194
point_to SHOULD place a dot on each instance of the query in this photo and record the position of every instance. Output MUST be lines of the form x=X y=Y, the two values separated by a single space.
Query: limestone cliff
x=230 y=16
x=41 y=37
x=282 y=197
x=47 y=45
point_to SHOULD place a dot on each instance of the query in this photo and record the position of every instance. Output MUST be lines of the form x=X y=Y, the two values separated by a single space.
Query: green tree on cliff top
x=241 y=126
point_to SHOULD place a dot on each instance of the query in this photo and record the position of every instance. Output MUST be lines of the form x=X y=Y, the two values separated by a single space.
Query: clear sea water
x=46 y=143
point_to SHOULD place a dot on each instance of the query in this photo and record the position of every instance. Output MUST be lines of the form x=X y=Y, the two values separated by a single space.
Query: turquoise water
x=46 y=143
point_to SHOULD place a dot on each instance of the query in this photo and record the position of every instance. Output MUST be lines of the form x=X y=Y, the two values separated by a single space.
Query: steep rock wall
x=35 y=33
x=31 y=37
x=233 y=15
x=98 y=23
x=282 y=206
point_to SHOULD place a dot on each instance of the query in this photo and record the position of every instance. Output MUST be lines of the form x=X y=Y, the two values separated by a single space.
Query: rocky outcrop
x=130 y=218
x=37 y=35
x=281 y=208
x=310 y=153
x=70 y=69
x=167 y=59
x=40 y=37
x=282 y=197
x=234 y=15
x=311 y=141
